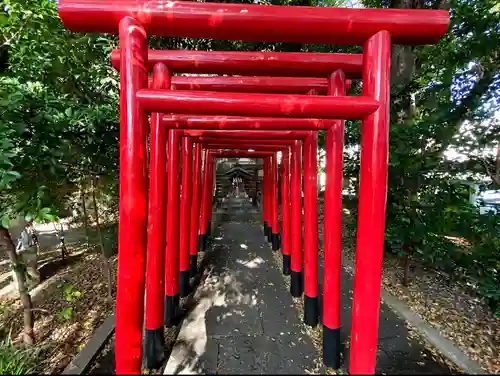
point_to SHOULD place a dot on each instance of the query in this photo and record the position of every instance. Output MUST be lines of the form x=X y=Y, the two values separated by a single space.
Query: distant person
x=27 y=251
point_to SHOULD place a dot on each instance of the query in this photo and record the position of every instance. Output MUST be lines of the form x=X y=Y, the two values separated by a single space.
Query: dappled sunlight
x=63 y=332
x=217 y=291
x=5 y=262
x=55 y=256
x=61 y=337
x=252 y=264
x=460 y=241
x=10 y=291
x=241 y=319
x=4 y=277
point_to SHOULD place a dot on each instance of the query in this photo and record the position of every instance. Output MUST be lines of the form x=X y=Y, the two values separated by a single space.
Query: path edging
x=445 y=346
x=81 y=362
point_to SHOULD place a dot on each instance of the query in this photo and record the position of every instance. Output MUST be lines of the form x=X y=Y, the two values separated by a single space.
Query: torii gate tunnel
x=278 y=103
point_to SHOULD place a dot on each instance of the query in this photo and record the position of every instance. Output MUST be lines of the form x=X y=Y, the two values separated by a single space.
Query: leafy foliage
x=71 y=295
x=58 y=106
x=444 y=98
x=15 y=360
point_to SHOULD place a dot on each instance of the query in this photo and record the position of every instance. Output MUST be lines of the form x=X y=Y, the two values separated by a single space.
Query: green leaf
x=9 y=177
x=5 y=221
x=50 y=217
x=68 y=288
x=4 y=19
x=67 y=313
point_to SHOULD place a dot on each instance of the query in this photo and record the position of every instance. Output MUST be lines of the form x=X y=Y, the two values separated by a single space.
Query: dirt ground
x=460 y=316
x=69 y=303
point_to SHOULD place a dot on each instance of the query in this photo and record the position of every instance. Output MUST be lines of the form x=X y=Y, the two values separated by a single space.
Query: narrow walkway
x=399 y=352
x=243 y=321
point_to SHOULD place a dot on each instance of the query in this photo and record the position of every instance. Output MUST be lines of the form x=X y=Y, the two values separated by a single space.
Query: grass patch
x=18 y=360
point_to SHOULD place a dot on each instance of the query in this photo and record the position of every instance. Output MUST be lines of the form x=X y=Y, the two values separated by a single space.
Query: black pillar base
x=268 y=233
x=296 y=288
x=184 y=283
x=154 y=348
x=202 y=243
x=193 y=265
x=254 y=202
x=265 y=227
x=275 y=241
x=311 y=311
x=331 y=347
x=171 y=310
x=209 y=229
x=287 y=260
x=208 y=236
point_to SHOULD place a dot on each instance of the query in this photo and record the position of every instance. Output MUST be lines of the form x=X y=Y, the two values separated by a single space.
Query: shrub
x=443 y=230
x=17 y=360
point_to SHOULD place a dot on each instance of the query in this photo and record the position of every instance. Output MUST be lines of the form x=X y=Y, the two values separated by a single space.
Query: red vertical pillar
x=266 y=200
x=132 y=230
x=204 y=201
x=334 y=148
x=275 y=228
x=172 y=248
x=155 y=266
x=296 y=285
x=285 y=210
x=211 y=200
x=195 y=210
x=311 y=307
x=372 y=205
x=185 y=212
x=269 y=200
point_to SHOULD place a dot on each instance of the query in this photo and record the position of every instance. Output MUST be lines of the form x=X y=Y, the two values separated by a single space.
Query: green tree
x=442 y=96
x=58 y=106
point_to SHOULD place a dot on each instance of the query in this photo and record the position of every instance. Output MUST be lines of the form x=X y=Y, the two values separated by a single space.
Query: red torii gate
x=373 y=28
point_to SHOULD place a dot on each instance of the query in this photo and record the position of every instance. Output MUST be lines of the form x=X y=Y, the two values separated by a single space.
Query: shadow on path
x=242 y=320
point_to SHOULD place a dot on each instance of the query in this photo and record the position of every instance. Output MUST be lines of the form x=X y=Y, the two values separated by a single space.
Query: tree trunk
x=407 y=264
x=8 y=246
x=497 y=163
x=107 y=267
x=62 y=242
x=85 y=215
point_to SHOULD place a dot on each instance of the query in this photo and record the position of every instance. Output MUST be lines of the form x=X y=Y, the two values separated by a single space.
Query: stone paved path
x=243 y=320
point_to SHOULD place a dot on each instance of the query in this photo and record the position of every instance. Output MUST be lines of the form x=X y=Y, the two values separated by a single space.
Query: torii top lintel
x=251 y=22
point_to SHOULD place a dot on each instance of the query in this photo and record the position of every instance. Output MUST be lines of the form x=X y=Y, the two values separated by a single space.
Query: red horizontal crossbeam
x=270 y=23
x=236 y=123
x=245 y=147
x=217 y=153
x=230 y=143
x=254 y=145
x=244 y=136
x=244 y=104
x=279 y=85
x=293 y=64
